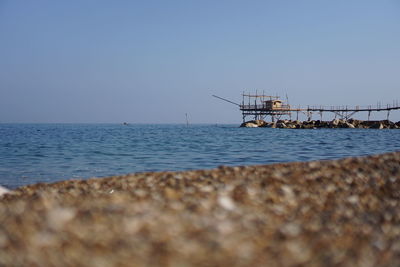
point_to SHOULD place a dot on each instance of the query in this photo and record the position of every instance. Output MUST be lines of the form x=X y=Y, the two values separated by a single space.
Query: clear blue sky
x=154 y=61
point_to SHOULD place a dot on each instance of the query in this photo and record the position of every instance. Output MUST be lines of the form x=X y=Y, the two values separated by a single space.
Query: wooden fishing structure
x=260 y=106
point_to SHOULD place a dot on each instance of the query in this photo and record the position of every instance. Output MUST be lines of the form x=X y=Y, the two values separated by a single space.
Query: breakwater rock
x=313 y=124
x=322 y=213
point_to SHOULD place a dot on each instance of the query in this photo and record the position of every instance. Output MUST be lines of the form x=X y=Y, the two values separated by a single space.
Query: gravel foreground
x=323 y=213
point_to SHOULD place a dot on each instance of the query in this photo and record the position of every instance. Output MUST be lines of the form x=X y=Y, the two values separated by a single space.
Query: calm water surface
x=31 y=153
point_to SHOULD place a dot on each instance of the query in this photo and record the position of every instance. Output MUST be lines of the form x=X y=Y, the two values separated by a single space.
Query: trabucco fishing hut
x=260 y=105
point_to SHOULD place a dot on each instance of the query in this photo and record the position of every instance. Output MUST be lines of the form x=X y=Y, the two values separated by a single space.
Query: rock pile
x=255 y=123
x=327 y=213
x=313 y=124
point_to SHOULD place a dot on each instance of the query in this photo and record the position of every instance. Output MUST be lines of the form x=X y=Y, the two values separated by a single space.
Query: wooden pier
x=260 y=105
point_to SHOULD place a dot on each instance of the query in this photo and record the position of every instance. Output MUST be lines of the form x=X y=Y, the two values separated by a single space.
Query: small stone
x=353 y=199
x=171 y=193
x=298 y=251
x=207 y=189
x=140 y=193
x=226 y=202
x=3 y=190
x=330 y=188
x=58 y=217
x=291 y=229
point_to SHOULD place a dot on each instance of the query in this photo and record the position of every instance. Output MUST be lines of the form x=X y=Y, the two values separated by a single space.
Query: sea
x=33 y=153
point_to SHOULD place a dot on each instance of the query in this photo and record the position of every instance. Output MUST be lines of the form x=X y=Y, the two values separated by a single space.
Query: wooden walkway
x=265 y=106
x=344 y=112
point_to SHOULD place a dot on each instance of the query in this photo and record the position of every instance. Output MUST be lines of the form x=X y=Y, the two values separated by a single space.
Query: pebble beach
x=321 y=213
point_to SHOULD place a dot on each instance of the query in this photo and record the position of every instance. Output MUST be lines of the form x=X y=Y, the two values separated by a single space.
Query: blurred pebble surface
x=322 y=213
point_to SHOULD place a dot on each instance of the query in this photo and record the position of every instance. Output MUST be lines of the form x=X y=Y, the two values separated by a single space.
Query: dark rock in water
x=376 y=125
x=347 y=125
x=281 y=125
x=388 y=124
x=367 y=124
x=342 y=124
x=325 y=124
x=254 y=124
x=307 y=126
x=334 y=122
x=354 y=122
x=248 y=125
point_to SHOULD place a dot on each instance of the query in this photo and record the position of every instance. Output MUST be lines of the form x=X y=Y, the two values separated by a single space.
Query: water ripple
x=31 y=153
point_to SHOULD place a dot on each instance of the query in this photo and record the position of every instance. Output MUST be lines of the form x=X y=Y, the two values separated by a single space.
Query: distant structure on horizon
x=261 y=105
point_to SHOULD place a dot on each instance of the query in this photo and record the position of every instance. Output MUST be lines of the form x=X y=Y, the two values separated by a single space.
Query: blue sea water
x=31 y=153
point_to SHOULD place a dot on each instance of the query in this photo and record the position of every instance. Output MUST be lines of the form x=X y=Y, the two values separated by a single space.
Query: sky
x=154 y=61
